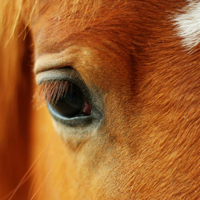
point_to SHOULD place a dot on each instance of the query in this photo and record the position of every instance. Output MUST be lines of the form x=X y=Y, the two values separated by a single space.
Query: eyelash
x=52 y=91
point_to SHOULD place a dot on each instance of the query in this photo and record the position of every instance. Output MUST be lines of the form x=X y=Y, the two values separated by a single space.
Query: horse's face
x=135 y=133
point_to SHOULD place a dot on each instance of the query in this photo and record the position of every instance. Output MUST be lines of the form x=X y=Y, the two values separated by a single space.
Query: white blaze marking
x=188 y=24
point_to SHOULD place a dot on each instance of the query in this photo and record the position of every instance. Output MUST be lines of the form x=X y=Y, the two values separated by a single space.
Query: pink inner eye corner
x=87 y=108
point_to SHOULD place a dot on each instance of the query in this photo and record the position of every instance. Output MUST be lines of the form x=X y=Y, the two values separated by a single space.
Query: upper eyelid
x=66 y=73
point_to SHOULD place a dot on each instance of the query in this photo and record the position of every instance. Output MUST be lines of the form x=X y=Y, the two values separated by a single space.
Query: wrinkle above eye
x=56 y=60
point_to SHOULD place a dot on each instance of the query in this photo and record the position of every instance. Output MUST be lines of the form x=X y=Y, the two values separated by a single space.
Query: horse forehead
x=55 y=30
x=61 y=22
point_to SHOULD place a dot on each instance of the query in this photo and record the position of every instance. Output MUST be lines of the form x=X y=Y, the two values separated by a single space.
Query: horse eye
x=72 y=103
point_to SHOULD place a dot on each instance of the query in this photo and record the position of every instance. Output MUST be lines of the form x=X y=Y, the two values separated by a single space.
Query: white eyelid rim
x=57 y=74
x=50 y=75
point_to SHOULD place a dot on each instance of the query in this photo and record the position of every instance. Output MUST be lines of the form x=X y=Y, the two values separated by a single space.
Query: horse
x=100 y=99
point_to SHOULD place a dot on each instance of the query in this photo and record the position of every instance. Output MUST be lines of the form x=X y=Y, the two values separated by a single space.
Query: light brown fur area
x=129 y=53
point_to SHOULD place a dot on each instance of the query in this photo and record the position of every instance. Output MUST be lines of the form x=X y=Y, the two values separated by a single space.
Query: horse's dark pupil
x=71 y=104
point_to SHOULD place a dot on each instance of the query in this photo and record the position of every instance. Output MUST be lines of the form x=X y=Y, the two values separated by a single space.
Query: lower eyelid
x=72 y=122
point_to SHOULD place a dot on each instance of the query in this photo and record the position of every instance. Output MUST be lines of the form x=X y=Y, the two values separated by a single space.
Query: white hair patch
x=188 y=24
